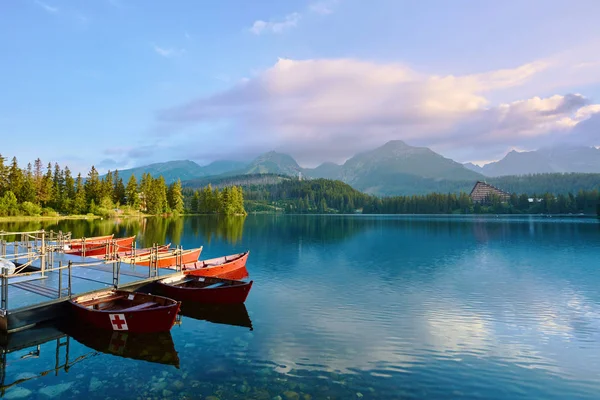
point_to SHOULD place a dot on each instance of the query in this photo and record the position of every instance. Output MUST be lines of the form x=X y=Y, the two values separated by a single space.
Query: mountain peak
x=396 y=143
x=273 y=162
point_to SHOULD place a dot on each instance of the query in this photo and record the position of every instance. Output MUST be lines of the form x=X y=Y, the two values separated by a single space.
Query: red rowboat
x=228 y=267
x=101 y=249
x=168 y=259
x=119 y=310
x=77 y=243
x=202 y=289
x=137 y=252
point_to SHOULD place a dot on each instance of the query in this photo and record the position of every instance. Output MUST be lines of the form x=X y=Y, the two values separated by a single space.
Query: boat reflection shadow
x=228 y=314
x=152 y=347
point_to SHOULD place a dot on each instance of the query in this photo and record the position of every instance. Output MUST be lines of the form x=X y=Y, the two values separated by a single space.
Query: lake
x=349 y=307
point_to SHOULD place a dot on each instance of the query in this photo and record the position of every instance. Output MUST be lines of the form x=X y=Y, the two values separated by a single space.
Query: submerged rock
x=95 y=384
x=56 y=390
x=178 y=385
x=17 y=393
x=290 y=395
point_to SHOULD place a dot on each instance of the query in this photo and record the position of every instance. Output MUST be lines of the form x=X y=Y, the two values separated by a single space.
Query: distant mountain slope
x=473 y=167
x=546 y=160
x=273 y=163
x=171 y=171
x=223 y=167
x=181 y=169
x=397 y=168
x=235 y=180
x=326 y=170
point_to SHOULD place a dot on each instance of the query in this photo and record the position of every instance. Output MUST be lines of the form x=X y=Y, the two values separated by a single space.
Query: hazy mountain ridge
x=182 y=169
x=395 y=168
x=555 y=159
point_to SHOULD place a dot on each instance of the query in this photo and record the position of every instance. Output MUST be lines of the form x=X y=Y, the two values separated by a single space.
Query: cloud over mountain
x=332 y=108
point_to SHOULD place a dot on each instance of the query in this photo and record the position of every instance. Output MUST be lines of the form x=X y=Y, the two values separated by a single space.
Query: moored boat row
x=213 y=281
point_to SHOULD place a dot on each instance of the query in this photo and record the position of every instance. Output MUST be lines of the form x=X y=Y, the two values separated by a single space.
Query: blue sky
x=119 y=83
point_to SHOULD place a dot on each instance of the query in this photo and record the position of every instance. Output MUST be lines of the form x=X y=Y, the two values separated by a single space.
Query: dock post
x=70 y=266
x=4 y=291
x=60 y=279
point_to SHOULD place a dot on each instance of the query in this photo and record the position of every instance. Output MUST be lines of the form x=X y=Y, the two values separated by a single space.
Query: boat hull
x=234 y=294
x=229 y=267
x=170 y=260
x=75 y=244
x=97 y=249
x=159 y=319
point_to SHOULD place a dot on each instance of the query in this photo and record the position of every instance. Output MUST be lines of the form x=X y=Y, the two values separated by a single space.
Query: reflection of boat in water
x=152 y=347
x=228 y=314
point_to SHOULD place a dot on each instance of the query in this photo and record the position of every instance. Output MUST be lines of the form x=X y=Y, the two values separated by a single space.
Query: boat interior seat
x=142 y=306
x=214 y=285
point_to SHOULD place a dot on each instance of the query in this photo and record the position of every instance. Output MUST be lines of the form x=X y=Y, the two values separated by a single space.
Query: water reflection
x=148 y=230
x=155 y=348
x=229 y=314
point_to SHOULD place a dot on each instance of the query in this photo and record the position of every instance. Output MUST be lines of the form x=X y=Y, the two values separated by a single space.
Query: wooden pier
x=46 y=278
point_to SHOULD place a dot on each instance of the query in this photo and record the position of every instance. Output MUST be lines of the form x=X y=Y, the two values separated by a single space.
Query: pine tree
x=4 y=184
x=322 y=206
x=195 y=202
x=93 y=187
x=119 y=189
x=175 y=197
x=69 y=191
x=27 y=188
x=45 y=189
x=37 y=179
x=80 y=201
x=131 y=193
x=15 y=179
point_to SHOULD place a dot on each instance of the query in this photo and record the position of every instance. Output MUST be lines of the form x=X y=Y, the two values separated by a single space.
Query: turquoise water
x=348 y=307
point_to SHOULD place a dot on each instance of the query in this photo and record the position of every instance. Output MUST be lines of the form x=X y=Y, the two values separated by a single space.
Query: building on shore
x=483 y=191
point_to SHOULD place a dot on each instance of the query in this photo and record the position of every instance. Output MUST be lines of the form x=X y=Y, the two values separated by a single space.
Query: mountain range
x=545 y=160
x=392 y=169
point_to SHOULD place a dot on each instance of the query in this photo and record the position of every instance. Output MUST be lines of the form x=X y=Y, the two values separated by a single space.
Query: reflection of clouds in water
x=481 y=305
x=492 y=308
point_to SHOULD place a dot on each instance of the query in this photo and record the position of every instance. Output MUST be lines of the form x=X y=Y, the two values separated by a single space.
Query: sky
x=123 y=83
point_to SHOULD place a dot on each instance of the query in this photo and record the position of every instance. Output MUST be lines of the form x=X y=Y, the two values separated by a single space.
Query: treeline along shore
x=326 y=196
x=50 y=190
x=53 y=191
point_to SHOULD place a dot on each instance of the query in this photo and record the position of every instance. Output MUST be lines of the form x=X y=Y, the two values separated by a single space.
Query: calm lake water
x=348 y=307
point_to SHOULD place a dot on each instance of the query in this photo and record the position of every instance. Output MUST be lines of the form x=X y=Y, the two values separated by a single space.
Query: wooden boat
x=119 y=310
x=77 y=243
x=131 y=253
x=101 y=249
x=167 y=259
x=228 y=267
x=155 y=347
x=227 y=314
x=202 y=289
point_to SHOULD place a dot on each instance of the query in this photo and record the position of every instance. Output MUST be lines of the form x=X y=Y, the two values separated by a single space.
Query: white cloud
x=289 y=21
x=322 y=7
x=168 y=52
x=335 y=107
x=48 y=8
